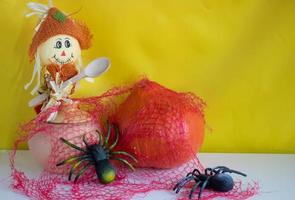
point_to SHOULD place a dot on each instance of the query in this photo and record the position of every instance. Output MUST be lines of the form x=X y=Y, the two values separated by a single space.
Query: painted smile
x=62 y=62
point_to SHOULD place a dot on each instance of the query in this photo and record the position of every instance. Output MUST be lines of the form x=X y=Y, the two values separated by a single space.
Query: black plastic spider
x=97 y=155
x=213 y=178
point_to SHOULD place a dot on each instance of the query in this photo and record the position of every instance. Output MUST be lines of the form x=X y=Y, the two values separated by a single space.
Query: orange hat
x=56 y=23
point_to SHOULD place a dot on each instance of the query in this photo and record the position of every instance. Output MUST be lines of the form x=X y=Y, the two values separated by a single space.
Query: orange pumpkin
x=161 y=127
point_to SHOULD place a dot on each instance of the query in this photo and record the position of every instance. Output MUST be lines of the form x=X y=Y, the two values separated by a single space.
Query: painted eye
x=58 y=45
x=67 y=43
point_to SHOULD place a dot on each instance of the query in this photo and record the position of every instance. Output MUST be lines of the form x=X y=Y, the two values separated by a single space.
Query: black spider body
x=97 y=155
x=221 y=183
x=217 y=179
x=104 y=170
x=97 y=152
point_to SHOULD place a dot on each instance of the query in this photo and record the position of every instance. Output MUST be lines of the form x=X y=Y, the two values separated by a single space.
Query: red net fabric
x=50 y=185
x=161 y=127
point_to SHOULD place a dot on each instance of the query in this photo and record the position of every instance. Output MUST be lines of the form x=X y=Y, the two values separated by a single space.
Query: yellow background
x=237 y=55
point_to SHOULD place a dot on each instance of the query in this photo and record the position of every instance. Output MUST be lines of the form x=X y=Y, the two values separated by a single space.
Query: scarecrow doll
x=56 y=49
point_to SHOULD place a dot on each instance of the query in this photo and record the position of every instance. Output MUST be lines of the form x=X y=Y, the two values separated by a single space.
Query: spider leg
x=203 y=187
x=226 y=169
x=100 y=137
x=189 y=174
x=82 y=171
x=72 y=145
x=194 y=189
x=179 y=182
x=106 y=142
x=207 y=170
x=196 y=171
x=125 y=162
x=220 y=169
x=85 y=141
x=71 y=159
x=183 y=183
x=76 y=165
x=124 y=153
x=116 y=139
x=192 y=173
x=237 y=172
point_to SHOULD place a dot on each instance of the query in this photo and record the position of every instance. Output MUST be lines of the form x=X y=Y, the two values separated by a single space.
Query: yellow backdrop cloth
x=238 y=55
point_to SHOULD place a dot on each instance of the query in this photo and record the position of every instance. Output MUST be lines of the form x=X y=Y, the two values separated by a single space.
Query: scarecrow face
x=59 y=49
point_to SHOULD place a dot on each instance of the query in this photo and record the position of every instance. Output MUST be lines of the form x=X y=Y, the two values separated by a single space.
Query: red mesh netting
x=161 y=127
x=50 y=185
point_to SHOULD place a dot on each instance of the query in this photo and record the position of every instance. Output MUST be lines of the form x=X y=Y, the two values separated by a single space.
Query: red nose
x=63 y=53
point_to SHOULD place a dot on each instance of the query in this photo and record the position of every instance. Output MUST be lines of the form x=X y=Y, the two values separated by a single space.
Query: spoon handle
x=38 y=100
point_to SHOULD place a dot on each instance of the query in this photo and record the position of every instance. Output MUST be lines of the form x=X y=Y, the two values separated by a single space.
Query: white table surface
x=274 y=172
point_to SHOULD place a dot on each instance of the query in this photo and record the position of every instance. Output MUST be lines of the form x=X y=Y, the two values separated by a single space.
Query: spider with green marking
x=97 y=155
